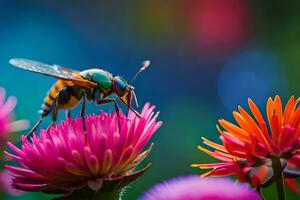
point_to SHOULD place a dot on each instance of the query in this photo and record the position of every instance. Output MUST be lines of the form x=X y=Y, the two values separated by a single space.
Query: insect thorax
x=99 y=76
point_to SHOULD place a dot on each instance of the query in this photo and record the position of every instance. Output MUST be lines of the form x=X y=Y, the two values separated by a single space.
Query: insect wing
x=39 y=67
x=51 y=70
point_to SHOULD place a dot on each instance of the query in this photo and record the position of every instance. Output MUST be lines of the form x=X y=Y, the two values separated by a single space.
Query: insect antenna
x=145 y=65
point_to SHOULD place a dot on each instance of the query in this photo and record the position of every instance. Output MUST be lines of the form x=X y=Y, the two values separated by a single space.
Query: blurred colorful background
x=207 y=57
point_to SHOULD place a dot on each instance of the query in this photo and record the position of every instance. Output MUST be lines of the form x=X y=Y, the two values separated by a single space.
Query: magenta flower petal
x=196 y=188
x=64 y=157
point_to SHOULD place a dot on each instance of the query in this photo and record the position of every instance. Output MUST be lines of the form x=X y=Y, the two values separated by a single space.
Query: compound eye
x=120 y=86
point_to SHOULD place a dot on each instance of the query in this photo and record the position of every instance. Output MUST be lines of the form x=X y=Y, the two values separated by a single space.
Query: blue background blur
x=208 y=56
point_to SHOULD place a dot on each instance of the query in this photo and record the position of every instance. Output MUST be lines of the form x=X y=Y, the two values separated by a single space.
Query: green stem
x=277 y=173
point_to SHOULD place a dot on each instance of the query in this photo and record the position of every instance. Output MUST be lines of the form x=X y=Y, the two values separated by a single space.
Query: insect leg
x=82 y=111
x=68 y=114
x=63 y=98
x=35 y=127
x=54 y=112
x=106 y=101
x=46 y=110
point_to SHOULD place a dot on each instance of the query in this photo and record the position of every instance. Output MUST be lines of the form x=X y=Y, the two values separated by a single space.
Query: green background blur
x=208 y=56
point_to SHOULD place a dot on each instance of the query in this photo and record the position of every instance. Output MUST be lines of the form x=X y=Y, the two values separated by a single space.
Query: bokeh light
x=219 y=26
x=253 y=72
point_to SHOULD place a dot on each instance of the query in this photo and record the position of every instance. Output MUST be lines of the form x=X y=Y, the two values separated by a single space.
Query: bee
x=73 y=86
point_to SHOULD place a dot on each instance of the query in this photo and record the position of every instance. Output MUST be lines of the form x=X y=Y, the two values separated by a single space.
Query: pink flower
x=64 y=158
x=6 y=123
x=5 y=183
x=196 y=188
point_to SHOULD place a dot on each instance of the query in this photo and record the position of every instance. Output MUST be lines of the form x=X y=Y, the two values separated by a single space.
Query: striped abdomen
x=52 y=95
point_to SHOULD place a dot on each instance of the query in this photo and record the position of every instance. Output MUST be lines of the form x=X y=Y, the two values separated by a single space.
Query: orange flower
x=250 y=147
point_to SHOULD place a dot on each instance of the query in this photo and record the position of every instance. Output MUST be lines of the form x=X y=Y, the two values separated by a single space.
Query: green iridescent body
x=103 y=78
x=106 y=83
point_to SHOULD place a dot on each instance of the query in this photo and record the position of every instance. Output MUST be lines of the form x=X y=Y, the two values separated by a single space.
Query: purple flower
x=196 y=188
x=65 y=158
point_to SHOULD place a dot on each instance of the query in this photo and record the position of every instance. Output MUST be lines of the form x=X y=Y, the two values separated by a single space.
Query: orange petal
x=255 y=129
x=278 y=109
x=210 y=165
x=270 y=109
x=221 y=171
x=226 y=155
x=294 y=119
x=289 y=109
x=213 y=154
x=275 y=129
x=242 y=122
x=235 y=131
x=255 y=111
x=213 y=145
x=264 y=129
